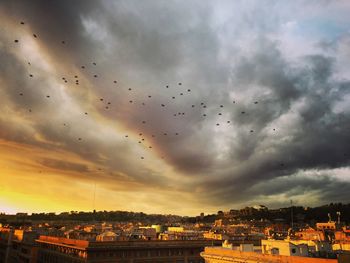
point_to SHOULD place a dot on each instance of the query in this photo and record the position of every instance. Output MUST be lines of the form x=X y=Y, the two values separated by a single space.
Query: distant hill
x=300 y=214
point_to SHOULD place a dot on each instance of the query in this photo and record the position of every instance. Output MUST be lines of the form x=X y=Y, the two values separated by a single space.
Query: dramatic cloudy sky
x=260 y=114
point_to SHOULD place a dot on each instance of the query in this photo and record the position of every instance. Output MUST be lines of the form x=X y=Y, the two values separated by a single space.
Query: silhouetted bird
x=93 y=63
x=115 y=81
x=82 y=66
x=16 y=40
x=22 y=23
x=95 y=76
x=31 y=75
x=47 y=96
x=34 y=35
x=180 y=83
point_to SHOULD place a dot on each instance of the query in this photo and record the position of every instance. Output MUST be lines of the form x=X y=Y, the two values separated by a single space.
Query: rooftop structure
x=53 y=249
x=223 y=255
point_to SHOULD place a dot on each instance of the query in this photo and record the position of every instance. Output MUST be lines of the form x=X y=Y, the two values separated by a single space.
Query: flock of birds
x=142 y=138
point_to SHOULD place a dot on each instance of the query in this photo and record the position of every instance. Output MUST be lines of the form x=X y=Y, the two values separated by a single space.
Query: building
x=53 y=250
x=284 y=248
x=226 y=255
x=326 y=226
x=6 y=235
x=215 y=236
x=17 y=246
x=310 y=234
x=107 y=236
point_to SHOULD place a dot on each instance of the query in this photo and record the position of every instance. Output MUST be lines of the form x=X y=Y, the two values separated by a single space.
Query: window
x=294 y=250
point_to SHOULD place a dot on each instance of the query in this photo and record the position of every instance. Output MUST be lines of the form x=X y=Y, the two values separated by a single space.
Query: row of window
x=47 y=257
x=142 y=253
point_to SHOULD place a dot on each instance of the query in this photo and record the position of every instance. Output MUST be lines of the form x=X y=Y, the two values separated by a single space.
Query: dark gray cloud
x=278 y=114
x=64 y=165
x=317 y=138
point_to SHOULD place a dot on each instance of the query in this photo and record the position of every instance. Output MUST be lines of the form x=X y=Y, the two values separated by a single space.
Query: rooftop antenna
x=329 y=218
x=93 y=202
x=338 y=214
x=291 y=213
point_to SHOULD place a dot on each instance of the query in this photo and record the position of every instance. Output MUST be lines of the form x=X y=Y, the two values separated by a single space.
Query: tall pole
x=291 y=212
x=93 y=202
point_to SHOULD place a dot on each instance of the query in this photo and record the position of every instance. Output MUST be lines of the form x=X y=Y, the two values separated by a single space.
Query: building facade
x=55 y=250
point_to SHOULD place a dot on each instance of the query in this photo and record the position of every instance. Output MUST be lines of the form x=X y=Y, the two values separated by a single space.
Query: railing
x=228 y=255
x=63 y=241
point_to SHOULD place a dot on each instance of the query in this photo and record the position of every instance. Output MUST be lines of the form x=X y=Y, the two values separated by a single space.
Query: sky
x=174 y=107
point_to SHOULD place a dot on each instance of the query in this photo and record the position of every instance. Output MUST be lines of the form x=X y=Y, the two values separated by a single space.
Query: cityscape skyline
x=176 y=107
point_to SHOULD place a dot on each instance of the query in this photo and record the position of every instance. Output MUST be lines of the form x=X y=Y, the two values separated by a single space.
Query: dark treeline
x=300 y=214
x=95 y=216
